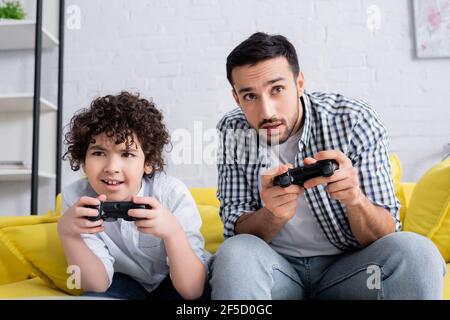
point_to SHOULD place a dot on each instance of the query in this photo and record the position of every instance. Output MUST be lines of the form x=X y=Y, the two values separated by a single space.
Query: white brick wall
x=175 y=51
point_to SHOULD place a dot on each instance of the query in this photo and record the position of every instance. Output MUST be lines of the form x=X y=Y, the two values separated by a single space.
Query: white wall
x=175 y=52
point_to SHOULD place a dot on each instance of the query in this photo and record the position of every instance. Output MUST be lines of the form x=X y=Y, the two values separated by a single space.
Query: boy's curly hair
x=118 y=116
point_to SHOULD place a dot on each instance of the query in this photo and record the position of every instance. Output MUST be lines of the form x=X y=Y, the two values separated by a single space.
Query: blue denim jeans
x=401 y=265
x=125 y=287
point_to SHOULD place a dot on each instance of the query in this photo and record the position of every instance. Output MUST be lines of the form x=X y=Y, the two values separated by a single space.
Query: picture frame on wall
x=432 y=28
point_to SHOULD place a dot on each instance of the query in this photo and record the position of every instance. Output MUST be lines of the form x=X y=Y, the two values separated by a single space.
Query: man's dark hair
x=119 y=117
x=259 y=47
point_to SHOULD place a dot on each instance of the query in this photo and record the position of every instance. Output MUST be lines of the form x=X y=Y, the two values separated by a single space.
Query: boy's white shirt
x=122 y=248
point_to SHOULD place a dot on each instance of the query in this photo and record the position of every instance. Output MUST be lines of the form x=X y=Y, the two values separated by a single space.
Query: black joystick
x=113 y=210
x=298 y=176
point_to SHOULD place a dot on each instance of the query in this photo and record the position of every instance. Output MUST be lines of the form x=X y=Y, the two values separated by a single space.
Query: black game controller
x=113 y=210
x=298 y=176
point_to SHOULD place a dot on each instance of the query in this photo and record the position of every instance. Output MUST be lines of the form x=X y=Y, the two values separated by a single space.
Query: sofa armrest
x=12 y=269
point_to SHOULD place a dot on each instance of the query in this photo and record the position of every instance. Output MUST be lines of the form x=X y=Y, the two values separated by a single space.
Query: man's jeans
x=401 y=265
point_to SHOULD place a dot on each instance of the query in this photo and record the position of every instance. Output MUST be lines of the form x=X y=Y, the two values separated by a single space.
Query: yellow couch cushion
x=397 y=172
x=429 y=209
x=12 y=269
x=205 y=196
x=396 y=167
x=212 y=227
x=13 y=265
x=28 y=288
x=208 y=206
x=36 y=243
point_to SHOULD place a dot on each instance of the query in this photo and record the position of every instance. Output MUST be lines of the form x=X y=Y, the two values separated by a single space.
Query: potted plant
x=11 y=10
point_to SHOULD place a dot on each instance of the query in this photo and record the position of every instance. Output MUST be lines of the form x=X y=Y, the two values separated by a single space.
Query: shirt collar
x=143 y=184
x=306 y=134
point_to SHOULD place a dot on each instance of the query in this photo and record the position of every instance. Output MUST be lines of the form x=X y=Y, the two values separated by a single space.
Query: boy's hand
x=158 y=220
x=73 y=222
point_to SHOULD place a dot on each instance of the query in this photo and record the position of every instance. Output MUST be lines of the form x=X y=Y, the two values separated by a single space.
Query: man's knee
x=415 y=251
x=240 y=246
x=242 y=268
x=239 y=250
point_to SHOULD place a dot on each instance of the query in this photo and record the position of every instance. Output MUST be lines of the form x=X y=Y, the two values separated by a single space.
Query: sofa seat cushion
x=28 y=288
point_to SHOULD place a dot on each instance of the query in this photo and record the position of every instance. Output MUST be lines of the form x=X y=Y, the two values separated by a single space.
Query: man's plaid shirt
x=331 y=122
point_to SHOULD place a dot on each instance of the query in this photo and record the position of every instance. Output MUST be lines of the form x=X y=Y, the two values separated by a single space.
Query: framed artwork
x=432 y=28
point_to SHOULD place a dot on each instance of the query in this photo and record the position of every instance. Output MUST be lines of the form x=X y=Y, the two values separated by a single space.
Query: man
x=333 y=238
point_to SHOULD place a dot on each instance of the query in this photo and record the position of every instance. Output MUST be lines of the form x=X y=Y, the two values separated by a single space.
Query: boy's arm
x=187 y=272
x=96 y=268
x=178 y=225
x=94 y=276
x=185 y=245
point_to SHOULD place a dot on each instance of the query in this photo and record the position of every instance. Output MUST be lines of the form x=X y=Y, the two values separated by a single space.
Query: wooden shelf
x=19 y=34
x=22 y=175
x=23 y=103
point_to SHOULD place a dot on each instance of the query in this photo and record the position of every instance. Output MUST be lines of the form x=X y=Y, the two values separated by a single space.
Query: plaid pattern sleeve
x=234 y=193
x=368 y=151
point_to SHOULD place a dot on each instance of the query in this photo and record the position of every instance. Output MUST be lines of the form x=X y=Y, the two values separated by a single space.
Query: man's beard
x=289 y=128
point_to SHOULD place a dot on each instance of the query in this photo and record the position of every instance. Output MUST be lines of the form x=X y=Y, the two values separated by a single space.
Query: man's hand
x=343 y=185
x=158 y=220
x=368 y=222
x=280 y=202
x=73 y=222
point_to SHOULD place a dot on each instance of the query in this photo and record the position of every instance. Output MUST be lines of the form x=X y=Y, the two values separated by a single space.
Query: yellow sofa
x=32 y=263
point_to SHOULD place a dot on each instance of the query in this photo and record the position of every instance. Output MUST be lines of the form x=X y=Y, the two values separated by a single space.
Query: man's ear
x=300 y=82
x=236 y=98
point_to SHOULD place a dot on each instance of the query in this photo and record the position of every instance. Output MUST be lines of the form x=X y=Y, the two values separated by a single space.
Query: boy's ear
x=148 y=169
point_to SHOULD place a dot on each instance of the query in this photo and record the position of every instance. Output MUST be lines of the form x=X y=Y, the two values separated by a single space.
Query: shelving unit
x=22 y=175
x=23 y=102
x=30 y=124
x=20 y=34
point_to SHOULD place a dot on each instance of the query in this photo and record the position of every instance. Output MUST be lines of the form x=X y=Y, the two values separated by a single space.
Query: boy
x=118 y=142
